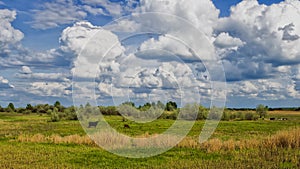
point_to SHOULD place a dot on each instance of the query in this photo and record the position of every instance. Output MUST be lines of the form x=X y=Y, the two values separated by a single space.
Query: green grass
x=16 y=154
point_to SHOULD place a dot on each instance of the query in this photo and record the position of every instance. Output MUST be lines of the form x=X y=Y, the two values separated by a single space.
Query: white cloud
x=265 y=89
x=62 y=12
x=269 y=35
x=25 y=70
x=4 y=83
x=255 y=42
x=224 y=40
x=26 y=73
x=52 y=89
x=202 y=14
x=59 y=12
x=166 y=43
x=90 y=44
x=94 y=11
x=8 y=35
x=112 y=9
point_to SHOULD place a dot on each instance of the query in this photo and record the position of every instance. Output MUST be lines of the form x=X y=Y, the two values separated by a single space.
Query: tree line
x=170 y=111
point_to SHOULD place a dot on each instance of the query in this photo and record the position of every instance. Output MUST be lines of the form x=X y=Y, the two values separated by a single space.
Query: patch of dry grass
x=282 y=139
x=56 y=139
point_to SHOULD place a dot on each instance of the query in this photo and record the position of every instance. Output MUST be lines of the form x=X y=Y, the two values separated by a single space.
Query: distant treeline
x=164 y=111
x=270 y=109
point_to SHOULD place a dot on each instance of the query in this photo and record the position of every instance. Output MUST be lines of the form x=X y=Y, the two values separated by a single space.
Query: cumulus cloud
x=270 y=38
x=4 y=83
x=9 y=36
x=91 y=46
x=118 y=74
x=166 y=43
x=224 y=40
x=25 y=70
x=255 y=43
x=202 y=14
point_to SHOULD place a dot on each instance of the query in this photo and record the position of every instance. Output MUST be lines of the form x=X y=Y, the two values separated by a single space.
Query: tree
x=54 y=115
x=2 y=109
x=202 y=114
x=29 y=107
x=261 y=110
x=57 y=104
x=170 y=106
x=160 y=105
x=128 y=103
x=145 y=107
x=10 y=107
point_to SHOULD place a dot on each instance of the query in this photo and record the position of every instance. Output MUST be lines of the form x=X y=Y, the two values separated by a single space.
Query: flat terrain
x=31 y=141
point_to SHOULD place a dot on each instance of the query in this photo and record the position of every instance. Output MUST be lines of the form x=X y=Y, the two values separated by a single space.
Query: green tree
x=170 y=106
x=202 y=114
x=160 y=105
x=261 y=110
x=129 y=103
x=145 y=107
x=11 y=107
x=29 y=107
x=57 y=104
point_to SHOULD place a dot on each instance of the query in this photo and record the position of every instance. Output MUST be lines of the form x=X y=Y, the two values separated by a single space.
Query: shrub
x=261 y=110
x=54 y=116
x=202 y=114
x=189 y=112
x=249 y=116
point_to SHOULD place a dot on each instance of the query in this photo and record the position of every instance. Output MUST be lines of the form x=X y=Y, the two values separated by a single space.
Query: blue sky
x=257 y=43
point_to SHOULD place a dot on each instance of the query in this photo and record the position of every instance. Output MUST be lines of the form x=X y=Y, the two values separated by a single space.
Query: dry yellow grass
x=283 y=112
x=282 y=139
x=56 y=139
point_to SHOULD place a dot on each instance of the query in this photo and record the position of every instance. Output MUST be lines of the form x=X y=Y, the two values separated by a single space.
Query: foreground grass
x=66 y=153
x=36 y=155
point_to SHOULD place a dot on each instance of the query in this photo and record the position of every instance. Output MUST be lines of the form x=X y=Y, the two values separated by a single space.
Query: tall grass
x=282 y=139
x=56 y=139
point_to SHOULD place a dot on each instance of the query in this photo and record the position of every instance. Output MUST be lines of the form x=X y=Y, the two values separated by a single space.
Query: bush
x=249 y=116
x=202 y=114
x=54 y=116
x=169 y=115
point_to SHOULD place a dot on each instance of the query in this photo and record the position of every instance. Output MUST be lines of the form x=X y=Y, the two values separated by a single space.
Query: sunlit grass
x=32 y=141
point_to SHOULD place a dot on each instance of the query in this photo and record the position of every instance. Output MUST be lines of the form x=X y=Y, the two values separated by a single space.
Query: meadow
x=33 y=141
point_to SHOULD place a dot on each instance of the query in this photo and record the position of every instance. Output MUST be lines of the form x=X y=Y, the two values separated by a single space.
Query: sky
x=237 y=53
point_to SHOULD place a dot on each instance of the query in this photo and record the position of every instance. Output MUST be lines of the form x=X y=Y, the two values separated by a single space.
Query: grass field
x=31 y=141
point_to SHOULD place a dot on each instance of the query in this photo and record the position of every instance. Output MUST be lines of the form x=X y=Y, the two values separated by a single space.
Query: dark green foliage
x=10 y=107
x=145 y=107
x=57 y=104
x=29 y=107
x=249 y=116
x=170 y=106
x=202 y=113
x=129 y=103
x=109 y=110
